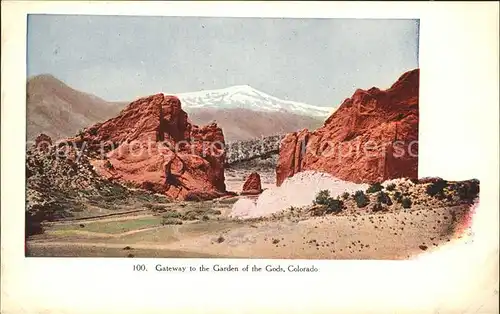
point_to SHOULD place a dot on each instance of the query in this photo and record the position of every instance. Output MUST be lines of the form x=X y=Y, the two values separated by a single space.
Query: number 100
x=141 y=267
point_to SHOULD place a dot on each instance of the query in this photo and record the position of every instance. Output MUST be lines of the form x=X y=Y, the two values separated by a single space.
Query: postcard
x=201 y=144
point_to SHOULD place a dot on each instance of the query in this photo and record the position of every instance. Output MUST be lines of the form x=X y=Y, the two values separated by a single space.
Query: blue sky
x=317 y=61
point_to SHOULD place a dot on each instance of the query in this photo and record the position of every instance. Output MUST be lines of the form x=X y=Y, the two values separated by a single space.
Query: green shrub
x=361 y=199
x=345 y=195
x=436 y=188
x=384 y=198
x=332 y=205
x=171 y=221
x=406 y=202
x=191 y=215
x=468 y=190
x=172 y=214
x=322 y=198
x=374 y=188
x=157 y=208
x=390 y=187
x=398 y=197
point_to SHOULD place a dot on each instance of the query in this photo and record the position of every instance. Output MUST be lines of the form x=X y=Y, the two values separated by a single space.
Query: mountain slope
x=246 y=97
x=244 y=124
x=60 y=111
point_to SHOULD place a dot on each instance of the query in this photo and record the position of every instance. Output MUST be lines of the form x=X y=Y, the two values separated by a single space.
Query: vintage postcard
x=230 y=137
x=300 y=141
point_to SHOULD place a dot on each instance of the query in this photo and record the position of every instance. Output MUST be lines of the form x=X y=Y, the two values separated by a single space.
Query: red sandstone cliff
x=371 y=137
x=151 y=144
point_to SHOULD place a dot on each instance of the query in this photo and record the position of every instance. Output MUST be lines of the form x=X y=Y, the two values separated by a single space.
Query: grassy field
x=112 y=227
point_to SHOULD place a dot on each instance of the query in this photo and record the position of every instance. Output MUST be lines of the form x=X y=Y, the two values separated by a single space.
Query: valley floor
x=154 y=227
x=387 y=235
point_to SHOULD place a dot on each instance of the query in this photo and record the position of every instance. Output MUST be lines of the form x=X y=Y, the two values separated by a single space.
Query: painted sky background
x=317 y=61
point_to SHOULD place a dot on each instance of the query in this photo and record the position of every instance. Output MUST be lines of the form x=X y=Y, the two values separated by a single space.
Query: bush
x=390 y=187
x=332 y=205
x=158 y=208
x=322 y=197
x=345 y=195
x=384 y=198
x=406 y=202
x=436 y=188
x=361 y=199
x=474 y=186
x=172 y=214
x=374 y=188
x=468 y=190
x=398 y=197
x=171 y=221
x=191 y=215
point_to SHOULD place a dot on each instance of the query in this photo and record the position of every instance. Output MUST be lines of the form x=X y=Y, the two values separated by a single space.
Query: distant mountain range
x=243 y=113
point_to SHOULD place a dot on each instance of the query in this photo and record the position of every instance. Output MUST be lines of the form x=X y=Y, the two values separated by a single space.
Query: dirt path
x=99 y=234
x=97 y=219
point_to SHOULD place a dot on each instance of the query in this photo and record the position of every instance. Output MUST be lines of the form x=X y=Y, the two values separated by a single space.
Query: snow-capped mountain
x=246 y=97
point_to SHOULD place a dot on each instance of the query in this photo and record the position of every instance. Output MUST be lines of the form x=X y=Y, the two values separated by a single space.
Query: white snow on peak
x=247 y=97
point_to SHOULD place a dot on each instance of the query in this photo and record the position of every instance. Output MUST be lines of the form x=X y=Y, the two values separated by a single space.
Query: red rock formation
x=252 y=185
x=371 y=137
x=151 y=144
